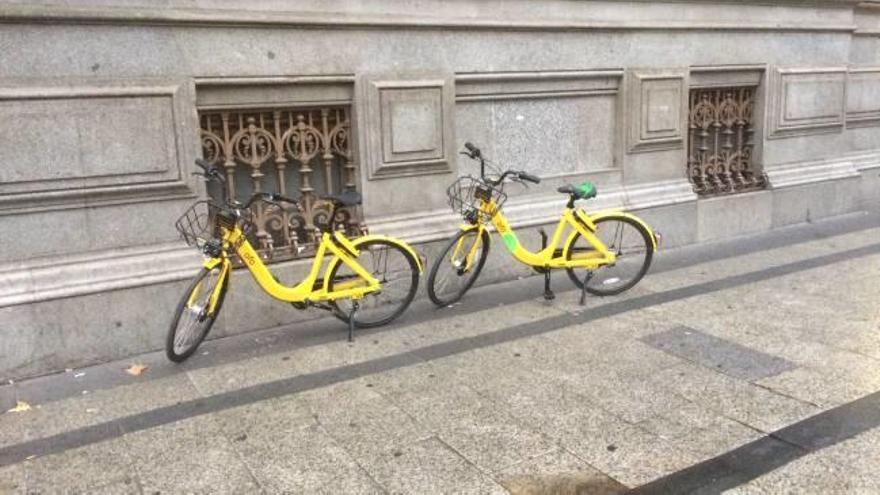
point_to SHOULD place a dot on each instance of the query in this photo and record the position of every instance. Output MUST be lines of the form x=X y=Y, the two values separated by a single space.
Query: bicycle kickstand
x=584 y=288
x=548 y=294
x=354 y=307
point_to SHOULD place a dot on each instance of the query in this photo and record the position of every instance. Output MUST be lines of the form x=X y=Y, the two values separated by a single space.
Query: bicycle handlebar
x=475 y=154
x=211 y=172
x=530 y=178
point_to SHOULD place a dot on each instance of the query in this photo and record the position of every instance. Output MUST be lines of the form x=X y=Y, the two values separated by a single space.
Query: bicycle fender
x=605 y=214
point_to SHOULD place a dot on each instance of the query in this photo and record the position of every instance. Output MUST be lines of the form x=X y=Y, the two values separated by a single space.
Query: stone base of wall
x=83 y=312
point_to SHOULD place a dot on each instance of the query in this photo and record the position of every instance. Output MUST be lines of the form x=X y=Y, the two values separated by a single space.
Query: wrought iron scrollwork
x=257 y=147
x=720 y=141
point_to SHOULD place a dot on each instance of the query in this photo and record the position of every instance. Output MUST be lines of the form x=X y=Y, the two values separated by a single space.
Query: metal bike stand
x=354 y=307
x=587 y=278
x=548 y=294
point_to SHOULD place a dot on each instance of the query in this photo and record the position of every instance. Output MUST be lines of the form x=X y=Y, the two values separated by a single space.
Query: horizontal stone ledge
x=537 y=209
x=342 y=20
x=91 y=273
x=88 y=197
x=823 y=170
x=488 y=86
x=273 y=80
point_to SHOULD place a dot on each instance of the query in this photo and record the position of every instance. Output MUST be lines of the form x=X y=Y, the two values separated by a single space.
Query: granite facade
x=98 y=119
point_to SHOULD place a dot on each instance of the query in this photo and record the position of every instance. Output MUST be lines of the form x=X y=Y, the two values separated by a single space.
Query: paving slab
x=698 y=430
x=558 y=472
x=719 y=354
x=429 y=466
x=12 y=479
x=493 y=439
x=295 y=455
x=82 y=469
x=192 y=455
x=747 y=403
x=371 y=427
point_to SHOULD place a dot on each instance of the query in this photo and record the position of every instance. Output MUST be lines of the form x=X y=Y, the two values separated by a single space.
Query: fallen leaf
x=136 y=369
x=21 y=406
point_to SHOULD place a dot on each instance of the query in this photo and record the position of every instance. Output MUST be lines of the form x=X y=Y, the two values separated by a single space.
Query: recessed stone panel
x=863 y=97
x=406 y=124
x=69 y=138
x=655 y=103
x=413 y=124
x=661 y=114
x=812 y=100
x=807 y=101
x=92 y=143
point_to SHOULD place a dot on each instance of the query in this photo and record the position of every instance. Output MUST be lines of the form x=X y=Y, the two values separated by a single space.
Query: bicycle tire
x=603 y=287
x=443 y=299
x=208 y=322
x=371 y=301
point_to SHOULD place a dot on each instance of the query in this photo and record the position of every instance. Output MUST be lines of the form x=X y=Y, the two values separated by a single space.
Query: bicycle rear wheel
x=631 y=244
x=396 y=270
x=451 y=275
x=192 y=318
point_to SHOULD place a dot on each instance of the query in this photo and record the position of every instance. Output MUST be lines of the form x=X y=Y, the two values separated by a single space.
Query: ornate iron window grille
x=720 y=141
x=304 y=153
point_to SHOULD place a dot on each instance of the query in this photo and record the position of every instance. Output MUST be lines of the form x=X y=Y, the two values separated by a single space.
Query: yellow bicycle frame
x=575 y=221
x=342 y=249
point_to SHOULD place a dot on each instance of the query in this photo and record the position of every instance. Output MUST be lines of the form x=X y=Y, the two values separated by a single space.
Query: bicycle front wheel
x=458 y=266
x=630 y=242
x=193 y=318
x=396 y=270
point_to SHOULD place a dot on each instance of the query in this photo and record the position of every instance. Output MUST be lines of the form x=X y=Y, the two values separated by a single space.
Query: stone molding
x=537 y=209
x=866 y=160
x=27 y=190
x=792 y=91
x=276 y=19
x=813 y=171
x=406 y=125
x=723 y=76
x=220 y=93
x=492 y=86
x=863 y=107
x=70 y=276
x=656 y=109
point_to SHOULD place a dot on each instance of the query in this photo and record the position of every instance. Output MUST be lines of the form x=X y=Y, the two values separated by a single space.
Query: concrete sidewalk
x=750 y=366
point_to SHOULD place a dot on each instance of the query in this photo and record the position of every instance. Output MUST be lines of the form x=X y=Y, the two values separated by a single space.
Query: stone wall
x=98 y=118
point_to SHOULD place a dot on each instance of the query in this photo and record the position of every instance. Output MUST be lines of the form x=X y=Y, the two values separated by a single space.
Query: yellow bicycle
x=604 y=254
x=368 y=281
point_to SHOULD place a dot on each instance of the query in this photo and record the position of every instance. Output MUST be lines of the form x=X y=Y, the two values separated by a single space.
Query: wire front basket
x=198 y=224
x=468 y=193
